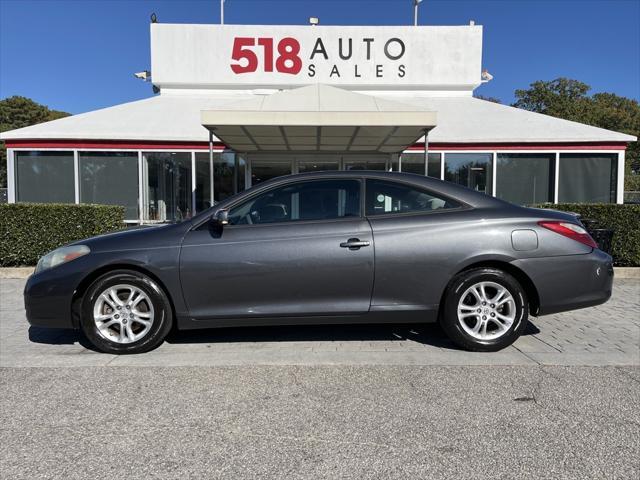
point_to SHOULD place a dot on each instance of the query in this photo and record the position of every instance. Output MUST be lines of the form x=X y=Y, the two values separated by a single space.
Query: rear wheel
x=125 y=312
x=485 y=309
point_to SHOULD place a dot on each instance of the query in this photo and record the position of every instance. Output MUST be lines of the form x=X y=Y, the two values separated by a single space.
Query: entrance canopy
x=319 y=118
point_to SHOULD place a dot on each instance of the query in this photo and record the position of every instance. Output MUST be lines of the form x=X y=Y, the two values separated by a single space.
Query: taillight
x=570 y=230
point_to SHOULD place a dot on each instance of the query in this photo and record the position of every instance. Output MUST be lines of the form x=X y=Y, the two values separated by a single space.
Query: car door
x=302 y=248
x=416 y=234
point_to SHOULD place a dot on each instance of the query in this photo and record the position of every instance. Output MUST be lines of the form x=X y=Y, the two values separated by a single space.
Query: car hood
x=140 y=237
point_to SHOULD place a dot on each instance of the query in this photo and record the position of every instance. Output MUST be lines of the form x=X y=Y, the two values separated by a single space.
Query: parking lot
x=326 y=402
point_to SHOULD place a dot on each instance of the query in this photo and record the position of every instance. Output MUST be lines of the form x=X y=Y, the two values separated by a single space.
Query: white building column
x=76 y=177
x=494 y=176
x=193 y=183
x=11 y=177
x=556 y=177
x=620 y=183
x=211 y=170
x=141 y=182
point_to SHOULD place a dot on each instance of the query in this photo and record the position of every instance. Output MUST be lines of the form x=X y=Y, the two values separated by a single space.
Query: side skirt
x=376 y=315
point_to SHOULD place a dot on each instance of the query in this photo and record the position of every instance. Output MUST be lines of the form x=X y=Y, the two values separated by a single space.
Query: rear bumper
x=570 y=282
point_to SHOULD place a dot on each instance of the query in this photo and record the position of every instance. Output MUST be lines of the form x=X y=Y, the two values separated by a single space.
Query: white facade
x=418 y=72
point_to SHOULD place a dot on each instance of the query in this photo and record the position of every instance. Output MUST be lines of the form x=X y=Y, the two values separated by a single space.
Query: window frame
x=267 y=190
x=463 y=206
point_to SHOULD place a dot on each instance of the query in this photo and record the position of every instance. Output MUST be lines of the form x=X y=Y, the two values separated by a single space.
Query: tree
x=18 y=112
x=569 y=99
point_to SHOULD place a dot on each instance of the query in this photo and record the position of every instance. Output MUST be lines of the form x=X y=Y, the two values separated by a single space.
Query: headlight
x=60 y=256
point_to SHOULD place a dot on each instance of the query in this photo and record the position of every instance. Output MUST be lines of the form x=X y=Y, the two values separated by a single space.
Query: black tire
x=459 y=285
x=162 y=318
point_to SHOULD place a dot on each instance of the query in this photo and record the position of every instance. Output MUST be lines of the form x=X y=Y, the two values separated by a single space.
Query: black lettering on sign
x=343 y=56
x=401 y=72
x=356 y=74
x=312 y=70
x=388 y=53
x=319 y=48
x=334 y=71
x=379 y=71
x=368 y=42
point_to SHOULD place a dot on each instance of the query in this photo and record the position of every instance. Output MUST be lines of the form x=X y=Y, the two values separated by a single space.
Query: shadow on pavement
x=58 y=336
x=427 y=334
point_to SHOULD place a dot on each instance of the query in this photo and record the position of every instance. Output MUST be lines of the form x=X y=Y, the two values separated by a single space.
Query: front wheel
x=125 y=312
x=485 y=310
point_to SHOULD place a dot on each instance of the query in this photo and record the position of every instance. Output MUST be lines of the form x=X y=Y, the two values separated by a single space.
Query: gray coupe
x=329 y=247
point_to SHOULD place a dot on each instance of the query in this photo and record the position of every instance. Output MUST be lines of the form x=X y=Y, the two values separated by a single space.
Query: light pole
x=221 y=12
x=415 y=12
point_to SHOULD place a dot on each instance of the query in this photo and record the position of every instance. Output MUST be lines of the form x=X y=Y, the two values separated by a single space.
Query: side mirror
x=222 y=217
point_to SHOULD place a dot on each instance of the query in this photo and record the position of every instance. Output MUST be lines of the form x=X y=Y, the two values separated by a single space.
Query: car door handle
x=354 y=244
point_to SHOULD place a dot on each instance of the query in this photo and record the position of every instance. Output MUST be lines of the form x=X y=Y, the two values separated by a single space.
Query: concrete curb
x=24 y=272
x=16 y=272
x=627 y=272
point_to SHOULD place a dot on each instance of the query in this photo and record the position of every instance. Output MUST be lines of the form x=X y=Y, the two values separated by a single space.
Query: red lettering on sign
x=267 y=44
x=241 y=52
x=288 y=60
x=288 y=48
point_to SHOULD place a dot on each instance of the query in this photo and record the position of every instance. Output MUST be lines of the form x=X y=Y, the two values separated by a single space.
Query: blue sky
x=79 y=55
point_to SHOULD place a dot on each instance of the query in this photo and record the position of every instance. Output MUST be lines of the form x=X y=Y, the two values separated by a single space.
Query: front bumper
x=48 y=296
x=570 y=282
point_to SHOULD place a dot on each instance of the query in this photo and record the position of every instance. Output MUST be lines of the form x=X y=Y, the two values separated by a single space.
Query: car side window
x=385 y=197
x=312 y=200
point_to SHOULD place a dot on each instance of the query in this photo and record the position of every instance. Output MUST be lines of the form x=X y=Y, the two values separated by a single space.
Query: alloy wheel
x=123 y=313
x=486 y=310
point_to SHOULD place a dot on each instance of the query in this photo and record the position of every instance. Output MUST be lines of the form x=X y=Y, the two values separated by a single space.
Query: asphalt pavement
x=329 y=422
x=380 y=401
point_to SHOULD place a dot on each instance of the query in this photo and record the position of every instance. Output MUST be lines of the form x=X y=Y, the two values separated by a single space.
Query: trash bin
x=603 y=237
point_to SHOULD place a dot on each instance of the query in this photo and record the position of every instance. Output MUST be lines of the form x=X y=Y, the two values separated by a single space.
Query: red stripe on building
x=523 y=146
x=112 y=144
x=151 y=145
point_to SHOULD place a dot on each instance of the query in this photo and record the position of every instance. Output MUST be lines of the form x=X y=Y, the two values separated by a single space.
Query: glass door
x=167 y=186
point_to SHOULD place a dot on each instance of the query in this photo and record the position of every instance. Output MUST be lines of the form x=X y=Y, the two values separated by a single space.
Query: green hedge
x=624 y=220
x=29 y=230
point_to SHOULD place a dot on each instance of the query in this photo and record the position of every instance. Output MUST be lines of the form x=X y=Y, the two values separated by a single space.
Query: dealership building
x=237 y=105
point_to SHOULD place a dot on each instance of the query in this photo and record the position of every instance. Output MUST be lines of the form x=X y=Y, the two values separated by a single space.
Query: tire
x=484 y=327
x=129 y=323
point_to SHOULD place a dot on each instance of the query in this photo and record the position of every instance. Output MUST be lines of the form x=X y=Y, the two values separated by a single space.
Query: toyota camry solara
x=330 y=247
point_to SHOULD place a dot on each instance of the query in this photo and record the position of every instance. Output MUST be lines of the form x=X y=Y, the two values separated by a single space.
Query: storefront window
x=414 y=163
x=525 y=178
x=229 y=171
x=203 y=182
x=228 y=175
x=44 y=177
x=110 y=178
x=587 y=178
x=365 y=162
x=168 y=182
x=317 y=163
x=263 y=169
x=473 y=170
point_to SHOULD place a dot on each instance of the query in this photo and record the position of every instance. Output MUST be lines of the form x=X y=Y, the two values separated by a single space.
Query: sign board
x=254 y=56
